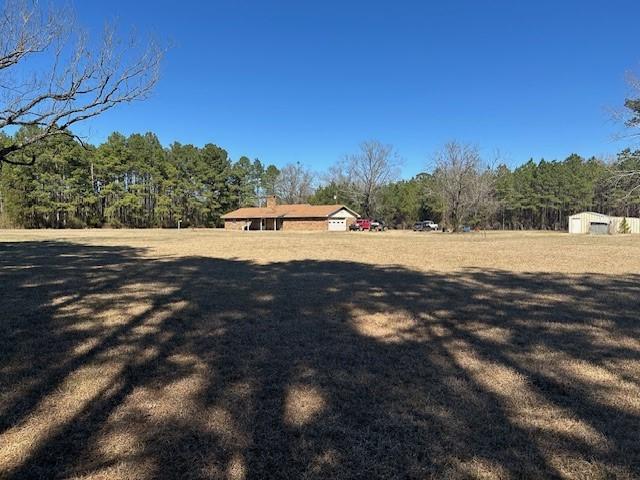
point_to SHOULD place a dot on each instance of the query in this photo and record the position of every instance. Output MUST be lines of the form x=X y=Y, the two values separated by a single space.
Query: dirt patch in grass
x=196 y=354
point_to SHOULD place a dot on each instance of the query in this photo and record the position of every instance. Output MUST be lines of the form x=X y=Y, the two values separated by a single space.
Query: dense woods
x=128 y=182
x=136 y=182
x=536 y=195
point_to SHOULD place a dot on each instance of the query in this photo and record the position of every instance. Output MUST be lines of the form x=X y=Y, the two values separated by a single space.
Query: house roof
x=287 y=211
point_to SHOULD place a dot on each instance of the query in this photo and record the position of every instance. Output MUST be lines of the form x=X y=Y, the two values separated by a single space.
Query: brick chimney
x=272 y=201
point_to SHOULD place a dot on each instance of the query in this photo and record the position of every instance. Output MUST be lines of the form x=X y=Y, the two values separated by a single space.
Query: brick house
x=290 y=217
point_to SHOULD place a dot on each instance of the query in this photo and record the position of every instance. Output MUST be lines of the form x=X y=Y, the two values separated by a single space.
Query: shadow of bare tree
x=115 y=364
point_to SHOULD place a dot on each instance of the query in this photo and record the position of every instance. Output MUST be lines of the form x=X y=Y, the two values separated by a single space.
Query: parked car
x=425 y=226
x=378 y=226
x=430 y=226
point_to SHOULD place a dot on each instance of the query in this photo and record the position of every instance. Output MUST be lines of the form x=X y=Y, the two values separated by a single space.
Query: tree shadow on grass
x=115 y=364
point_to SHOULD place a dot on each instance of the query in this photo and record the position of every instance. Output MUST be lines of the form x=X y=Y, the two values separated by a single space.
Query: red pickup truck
x=368 y=224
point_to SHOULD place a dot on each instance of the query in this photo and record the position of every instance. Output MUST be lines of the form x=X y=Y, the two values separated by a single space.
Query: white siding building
x=598 y=223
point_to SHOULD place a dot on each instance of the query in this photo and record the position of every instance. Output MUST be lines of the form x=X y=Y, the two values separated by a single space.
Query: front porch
x=262 y=224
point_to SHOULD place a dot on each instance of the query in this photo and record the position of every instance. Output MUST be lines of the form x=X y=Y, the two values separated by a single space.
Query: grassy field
x=210 y=354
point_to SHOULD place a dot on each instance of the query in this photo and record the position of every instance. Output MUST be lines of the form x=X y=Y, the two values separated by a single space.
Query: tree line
x=136 y=182
x=127 y=182
x=462 y=189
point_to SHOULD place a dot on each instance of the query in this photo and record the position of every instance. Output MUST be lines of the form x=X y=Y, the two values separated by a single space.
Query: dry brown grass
x=208 y=354
x=511 y=251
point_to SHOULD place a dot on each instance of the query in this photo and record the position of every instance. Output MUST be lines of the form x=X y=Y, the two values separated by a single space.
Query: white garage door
x=337 y=224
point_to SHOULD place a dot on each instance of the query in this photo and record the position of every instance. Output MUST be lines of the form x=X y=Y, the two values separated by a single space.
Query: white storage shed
x=598 y=223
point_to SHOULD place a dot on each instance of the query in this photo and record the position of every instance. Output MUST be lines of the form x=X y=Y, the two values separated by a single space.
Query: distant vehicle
x=431 y=226
x=361 y=225
x=425 y=226
x=378 y=226
x=367 y=224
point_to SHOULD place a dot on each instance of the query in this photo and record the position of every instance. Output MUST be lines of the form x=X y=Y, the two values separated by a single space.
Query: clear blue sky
x=305 y=81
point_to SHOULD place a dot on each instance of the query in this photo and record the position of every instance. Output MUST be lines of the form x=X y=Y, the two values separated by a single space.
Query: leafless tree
x=630 y=115
x=625 y=173
x=365 y=172
x=53 y=77
x=463 y=184
x=294 y=183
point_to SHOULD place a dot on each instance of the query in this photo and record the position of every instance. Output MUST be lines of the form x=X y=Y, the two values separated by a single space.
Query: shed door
x=599 y=228
x=576 y=225
x=337 y=224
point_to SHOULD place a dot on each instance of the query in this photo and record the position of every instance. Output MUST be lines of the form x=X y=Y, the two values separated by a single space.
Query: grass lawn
x=235 y=355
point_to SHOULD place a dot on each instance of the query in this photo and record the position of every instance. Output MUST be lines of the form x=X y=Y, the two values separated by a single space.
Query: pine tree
x=624 y=226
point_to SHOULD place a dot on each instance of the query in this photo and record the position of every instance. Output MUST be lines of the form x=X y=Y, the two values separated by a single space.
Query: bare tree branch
x=463 y=183
x=78 y=81
x=363 y=174
x=294 y=183
x=624 y=178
